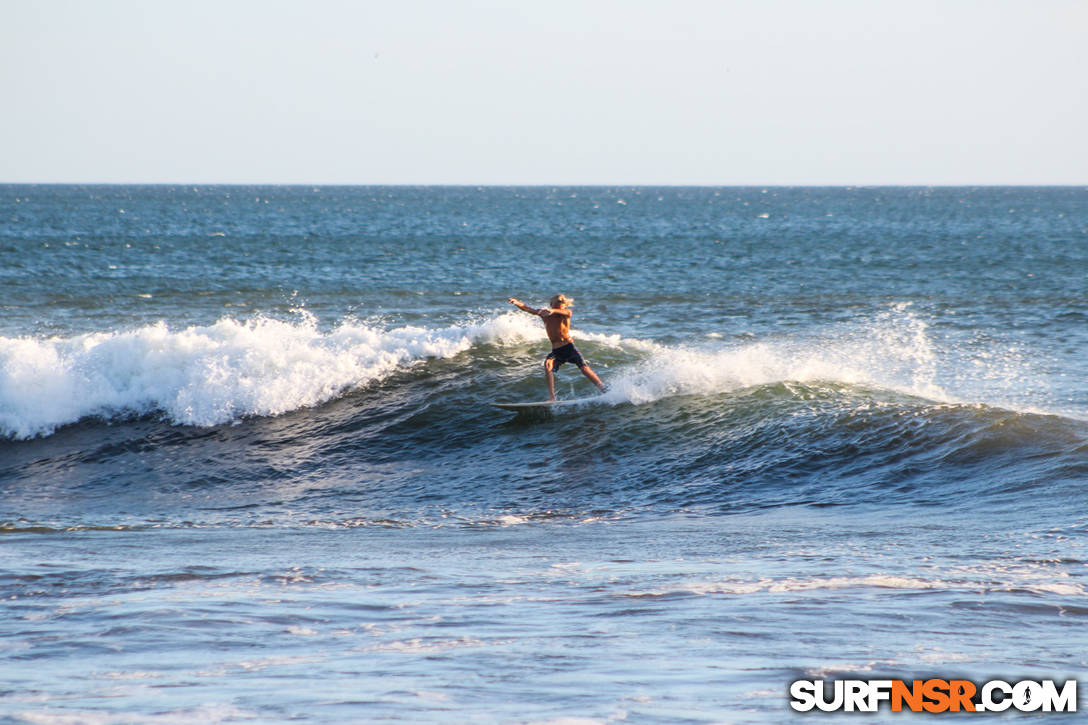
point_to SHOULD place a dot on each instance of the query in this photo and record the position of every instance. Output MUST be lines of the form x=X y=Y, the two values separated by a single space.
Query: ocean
x=249 y=469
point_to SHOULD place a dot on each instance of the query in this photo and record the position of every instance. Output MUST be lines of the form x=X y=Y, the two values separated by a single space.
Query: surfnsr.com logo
x=933 y=695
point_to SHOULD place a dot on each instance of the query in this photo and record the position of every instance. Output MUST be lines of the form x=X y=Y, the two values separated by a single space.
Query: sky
x=559 y=92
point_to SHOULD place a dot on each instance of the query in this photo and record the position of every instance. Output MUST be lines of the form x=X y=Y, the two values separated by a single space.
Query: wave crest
x=210 y=375
x=892 y=352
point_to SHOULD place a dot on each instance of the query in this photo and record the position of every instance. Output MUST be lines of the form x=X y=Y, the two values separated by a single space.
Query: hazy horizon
x=318 y=185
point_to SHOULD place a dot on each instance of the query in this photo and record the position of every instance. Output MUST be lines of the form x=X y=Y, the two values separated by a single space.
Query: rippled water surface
x=249 y=469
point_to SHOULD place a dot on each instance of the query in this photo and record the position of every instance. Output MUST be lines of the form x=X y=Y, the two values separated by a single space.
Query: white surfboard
x=540 y=406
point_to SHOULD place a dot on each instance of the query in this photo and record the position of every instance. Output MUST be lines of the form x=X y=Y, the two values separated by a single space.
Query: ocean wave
x=217 y=374
x=236 y=369
x=893 y=352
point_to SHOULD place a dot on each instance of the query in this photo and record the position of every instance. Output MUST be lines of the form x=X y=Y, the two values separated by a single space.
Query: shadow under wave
x=781 y=444
x=832 y=445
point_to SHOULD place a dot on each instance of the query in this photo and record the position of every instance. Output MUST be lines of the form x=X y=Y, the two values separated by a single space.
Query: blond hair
x=558 y=300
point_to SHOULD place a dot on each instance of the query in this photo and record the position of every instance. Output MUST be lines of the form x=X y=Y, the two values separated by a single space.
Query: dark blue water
x=248 y=469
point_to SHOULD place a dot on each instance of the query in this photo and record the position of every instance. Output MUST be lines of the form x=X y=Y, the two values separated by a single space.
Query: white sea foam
x=206 y=713
x=789 y=585
x=233 y=369
x=893 y=352
x=1042 y=580
x=219 y=373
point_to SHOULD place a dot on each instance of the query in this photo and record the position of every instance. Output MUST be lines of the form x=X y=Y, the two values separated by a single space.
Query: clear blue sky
x=557 y=92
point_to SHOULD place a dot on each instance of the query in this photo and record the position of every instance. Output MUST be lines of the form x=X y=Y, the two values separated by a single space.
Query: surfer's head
x=561 y=301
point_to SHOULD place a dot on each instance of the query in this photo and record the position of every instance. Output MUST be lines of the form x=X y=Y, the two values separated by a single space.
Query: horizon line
x=741 y=185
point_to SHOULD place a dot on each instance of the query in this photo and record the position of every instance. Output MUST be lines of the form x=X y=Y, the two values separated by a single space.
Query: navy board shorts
x=566 y=354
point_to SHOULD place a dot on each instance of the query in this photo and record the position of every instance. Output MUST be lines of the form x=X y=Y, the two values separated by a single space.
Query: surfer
x=557 y=323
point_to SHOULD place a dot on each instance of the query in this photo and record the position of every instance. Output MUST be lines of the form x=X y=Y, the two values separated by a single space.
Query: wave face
x=869 y=412
x=237 y=369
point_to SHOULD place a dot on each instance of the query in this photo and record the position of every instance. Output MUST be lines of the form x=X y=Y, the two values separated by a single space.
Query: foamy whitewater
x=207 y=376
x=225 y=372
x=249 y=469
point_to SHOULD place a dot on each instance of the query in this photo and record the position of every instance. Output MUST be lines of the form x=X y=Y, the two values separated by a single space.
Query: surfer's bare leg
x=548 y=365
x=588 y=372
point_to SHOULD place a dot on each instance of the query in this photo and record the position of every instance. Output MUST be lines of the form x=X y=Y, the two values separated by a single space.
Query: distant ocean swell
x=235 y=369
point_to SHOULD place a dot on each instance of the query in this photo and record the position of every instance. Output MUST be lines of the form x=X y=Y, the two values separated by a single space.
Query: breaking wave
x=234 y=369
x=215 y=374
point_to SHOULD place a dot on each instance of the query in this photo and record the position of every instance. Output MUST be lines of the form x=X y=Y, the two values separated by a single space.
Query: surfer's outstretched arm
x=538 y=311
x=543 y=312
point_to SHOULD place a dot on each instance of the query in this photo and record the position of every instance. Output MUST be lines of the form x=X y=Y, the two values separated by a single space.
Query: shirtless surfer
x=557 y=323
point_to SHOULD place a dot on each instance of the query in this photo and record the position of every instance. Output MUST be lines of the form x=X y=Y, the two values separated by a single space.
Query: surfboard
x=542 y=405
